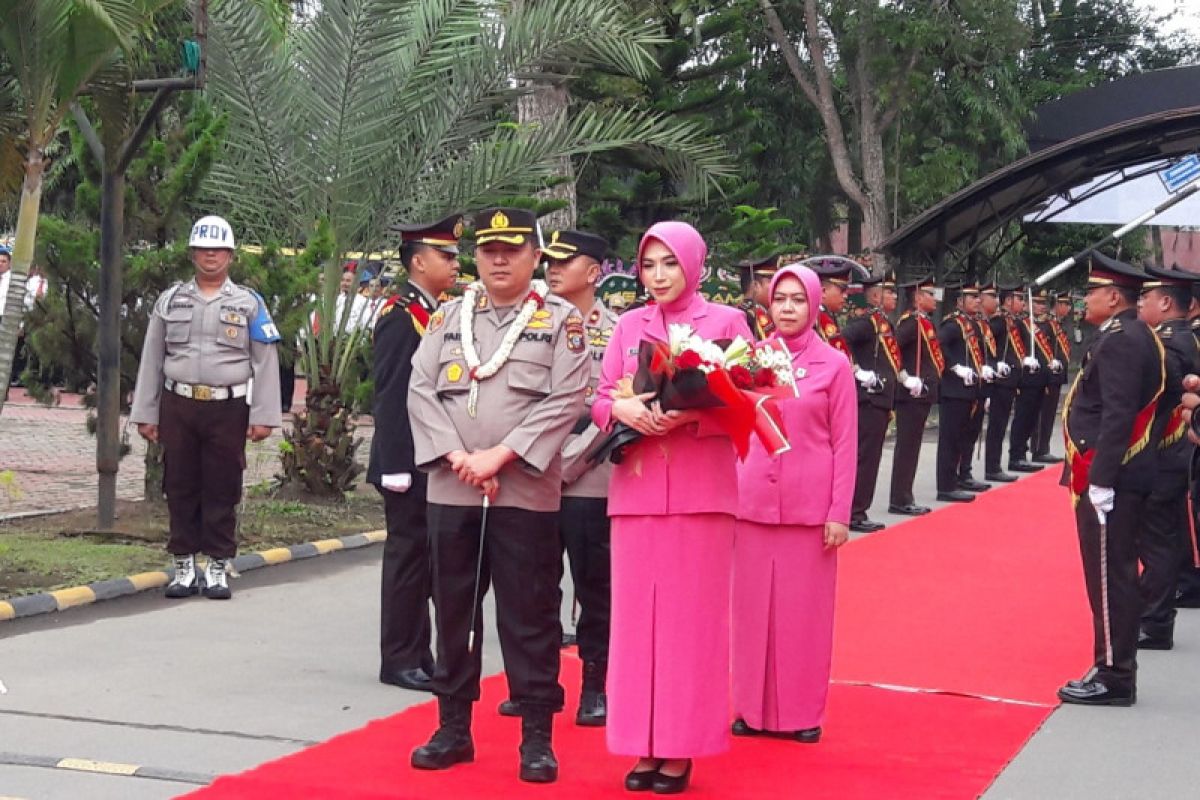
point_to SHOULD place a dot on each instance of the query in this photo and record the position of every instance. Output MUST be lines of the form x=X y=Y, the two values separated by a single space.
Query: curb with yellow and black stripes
x=46 y=602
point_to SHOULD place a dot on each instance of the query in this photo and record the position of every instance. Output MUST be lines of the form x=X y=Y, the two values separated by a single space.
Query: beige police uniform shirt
x=582 y=478
x=529 y=405
x=206 y=340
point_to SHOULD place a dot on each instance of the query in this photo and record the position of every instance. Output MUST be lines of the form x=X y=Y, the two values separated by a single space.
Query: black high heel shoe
x=641 y=781
x=672 y=784
x=808 y=735
x=740 y=728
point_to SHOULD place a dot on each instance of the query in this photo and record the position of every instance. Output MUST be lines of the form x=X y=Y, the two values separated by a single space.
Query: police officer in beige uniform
x=497 y=386
x=573 y=271
x=208 y=380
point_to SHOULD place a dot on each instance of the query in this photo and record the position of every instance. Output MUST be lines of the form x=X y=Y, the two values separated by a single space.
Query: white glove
x=1003 y=370
x=396 y=482
x=988 y=373
x=914 y=385
x=1055 y=365
x=1030 y=363
x=867 y=378
x=966 y=373
x=1102 y=498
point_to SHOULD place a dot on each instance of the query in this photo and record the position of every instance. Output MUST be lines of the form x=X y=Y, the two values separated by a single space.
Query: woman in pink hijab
x=672 y=501
x=793 y=513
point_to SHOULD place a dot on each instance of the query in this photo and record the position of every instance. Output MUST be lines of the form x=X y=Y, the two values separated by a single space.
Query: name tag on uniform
x=233 y=318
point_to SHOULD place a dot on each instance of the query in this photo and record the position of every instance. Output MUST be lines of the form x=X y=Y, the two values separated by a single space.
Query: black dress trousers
x=405 y=587
x=1047 y=419
x=1110 y=570
x=971 y=434
x=522 y=558
x=910 y=429
x=1163 y=545
x=204 y=456
x=999 y=413
x=1026 y=409
x=586 y=535
x=872 y=428
x=953 y=416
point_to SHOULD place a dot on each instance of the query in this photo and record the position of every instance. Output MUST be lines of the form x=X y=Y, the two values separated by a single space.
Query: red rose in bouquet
x=742 y=377
x=688 y=359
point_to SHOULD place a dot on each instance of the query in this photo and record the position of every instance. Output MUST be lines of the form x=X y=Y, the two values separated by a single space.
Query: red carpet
x=981 y=599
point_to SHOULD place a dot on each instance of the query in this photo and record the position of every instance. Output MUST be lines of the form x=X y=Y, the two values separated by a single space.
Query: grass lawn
x=56 y=551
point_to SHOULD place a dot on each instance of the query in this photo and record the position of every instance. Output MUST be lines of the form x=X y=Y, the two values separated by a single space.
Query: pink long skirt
x=784 y=582
x=668 y=670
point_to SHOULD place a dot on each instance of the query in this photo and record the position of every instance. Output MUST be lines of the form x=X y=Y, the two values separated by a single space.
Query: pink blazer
x=690 y=470
x=812 y=483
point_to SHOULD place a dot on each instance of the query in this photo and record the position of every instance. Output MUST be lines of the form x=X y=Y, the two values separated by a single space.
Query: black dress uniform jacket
x=1004 y=328
x=919 y=360
x=398 y=331
x=961 y=346
x=1182 y=357
x=867 y=337
x=1103 y=410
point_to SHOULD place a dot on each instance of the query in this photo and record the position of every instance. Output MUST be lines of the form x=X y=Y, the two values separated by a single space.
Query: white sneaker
x=216 y=579
x=187 y=580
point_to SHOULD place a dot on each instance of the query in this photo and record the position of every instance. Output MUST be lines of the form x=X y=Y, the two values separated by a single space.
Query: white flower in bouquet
x=712 y=353
x=678 y=337
x=738 y=352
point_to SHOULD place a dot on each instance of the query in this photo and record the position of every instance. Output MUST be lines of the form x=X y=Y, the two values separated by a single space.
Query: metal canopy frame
x=1129 y=128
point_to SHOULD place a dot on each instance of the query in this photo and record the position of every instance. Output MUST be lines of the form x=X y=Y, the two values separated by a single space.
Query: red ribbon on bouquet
x=745 y=412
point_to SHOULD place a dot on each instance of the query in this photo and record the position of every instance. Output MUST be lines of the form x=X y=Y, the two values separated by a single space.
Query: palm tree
x=366 y=112
x=53 y=50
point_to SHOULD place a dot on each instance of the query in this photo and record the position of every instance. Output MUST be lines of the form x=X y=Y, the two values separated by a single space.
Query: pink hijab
x=812 y=290
x=689 y=248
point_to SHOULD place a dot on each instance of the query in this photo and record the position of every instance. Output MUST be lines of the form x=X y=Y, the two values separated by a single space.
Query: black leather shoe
x=972 y=485
x=808 y=735
x=1000 y=477
x=1023 y=466
x=957 y=496
x=673 y=784
x=415 y=679
x=1045 y=458
x=451 y=743
x=509 y=708
x=1187 y=600
x=1148 y=642
x=1095 y=693
x=538 y=764
x=740 y=728
x=911 y=510
x=866 y=526
x=593 y=710
x=641 y=781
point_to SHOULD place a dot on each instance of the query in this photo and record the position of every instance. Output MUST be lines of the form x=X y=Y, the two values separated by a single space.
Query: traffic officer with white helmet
x=208 y=380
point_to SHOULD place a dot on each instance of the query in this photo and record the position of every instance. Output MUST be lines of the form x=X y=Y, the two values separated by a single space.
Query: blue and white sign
x=1181 y=173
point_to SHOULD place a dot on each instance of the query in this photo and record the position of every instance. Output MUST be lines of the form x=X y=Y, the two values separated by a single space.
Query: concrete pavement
x=195 y=688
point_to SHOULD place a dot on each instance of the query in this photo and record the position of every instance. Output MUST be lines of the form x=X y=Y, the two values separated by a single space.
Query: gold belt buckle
x=202 y=392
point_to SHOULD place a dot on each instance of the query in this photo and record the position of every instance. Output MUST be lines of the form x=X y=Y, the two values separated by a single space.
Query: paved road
x=194 y=689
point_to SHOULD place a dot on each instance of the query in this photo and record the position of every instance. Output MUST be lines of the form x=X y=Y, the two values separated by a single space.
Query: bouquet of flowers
x=733 y=381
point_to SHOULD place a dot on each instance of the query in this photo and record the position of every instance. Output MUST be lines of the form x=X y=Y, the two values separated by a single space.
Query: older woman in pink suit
x=793 y=512
x=672 y=501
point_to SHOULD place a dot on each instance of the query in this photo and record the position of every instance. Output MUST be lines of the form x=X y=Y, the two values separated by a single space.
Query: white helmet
x=212 y=232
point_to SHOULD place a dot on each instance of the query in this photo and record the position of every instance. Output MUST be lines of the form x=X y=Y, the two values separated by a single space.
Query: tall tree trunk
x=1156 y=243
x=26 y=236
x=545 y=103
x=108 y=346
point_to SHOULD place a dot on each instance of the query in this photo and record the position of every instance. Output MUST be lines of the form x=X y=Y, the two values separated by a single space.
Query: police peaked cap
x=565 y=245
x=514 y=226
x=442 y=235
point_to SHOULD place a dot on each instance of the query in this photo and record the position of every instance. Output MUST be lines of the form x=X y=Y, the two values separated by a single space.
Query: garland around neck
x=479 y=371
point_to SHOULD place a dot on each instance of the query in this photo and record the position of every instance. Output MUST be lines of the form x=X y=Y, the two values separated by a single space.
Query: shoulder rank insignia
x=574 y=333
x=541 y=319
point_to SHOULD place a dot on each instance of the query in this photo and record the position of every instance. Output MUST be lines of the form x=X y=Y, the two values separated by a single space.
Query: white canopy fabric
x=1109 y=201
